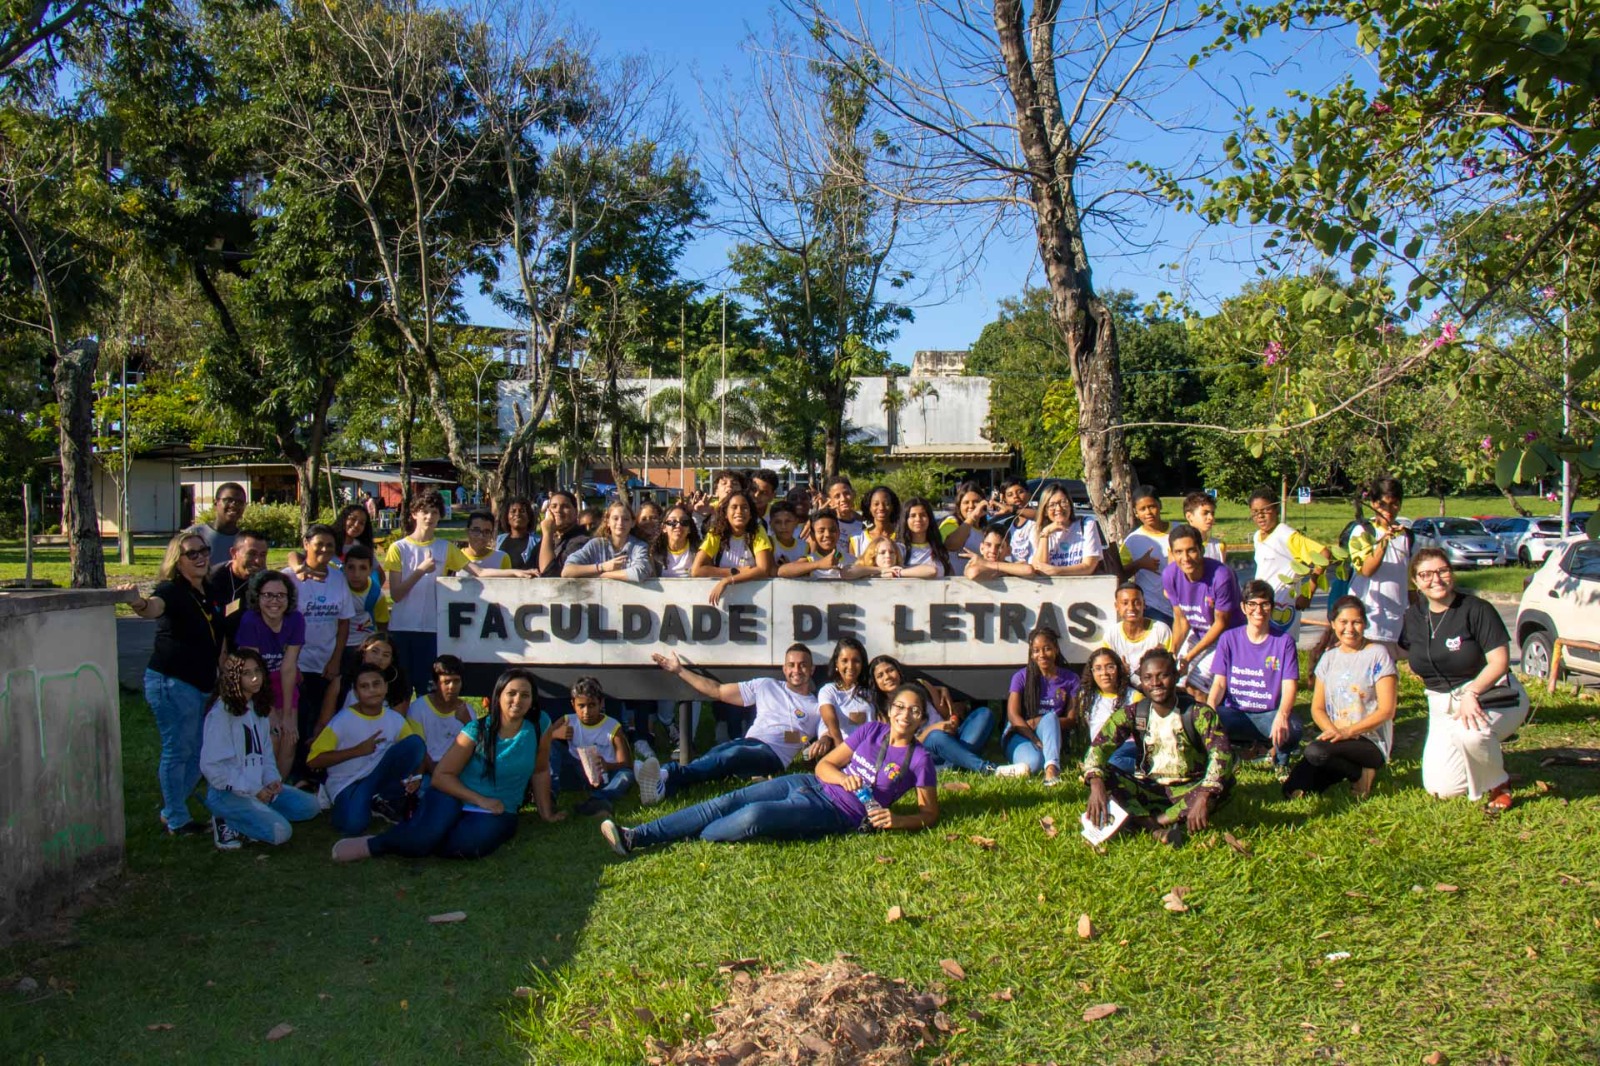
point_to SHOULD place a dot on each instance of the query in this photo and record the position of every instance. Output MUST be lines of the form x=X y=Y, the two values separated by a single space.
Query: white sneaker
x=617 y=836
x=651 y=781
x=644 y=750
x=324 y=801
x=1011 y=769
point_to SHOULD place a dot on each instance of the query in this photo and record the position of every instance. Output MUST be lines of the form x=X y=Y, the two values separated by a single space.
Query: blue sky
x=702 y=41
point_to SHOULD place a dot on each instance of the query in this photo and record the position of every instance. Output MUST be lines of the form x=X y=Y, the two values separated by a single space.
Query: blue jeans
x=416 y=652
x=1038 y=756
x=567 y=773
x=785 y=808
x=736 y=758
x=266 y=822
x=1126 y=757
x=963 y=749
x=1255 y=727
x=440 y=827
x=352 y=807
x=180 y=711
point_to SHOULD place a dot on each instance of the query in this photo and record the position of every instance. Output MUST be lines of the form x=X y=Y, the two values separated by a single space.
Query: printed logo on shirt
x=892 y=771
x=1452 y=644
x=1272 y=662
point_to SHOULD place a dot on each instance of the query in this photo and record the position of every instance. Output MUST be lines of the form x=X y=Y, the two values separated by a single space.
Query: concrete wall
x=61 y=818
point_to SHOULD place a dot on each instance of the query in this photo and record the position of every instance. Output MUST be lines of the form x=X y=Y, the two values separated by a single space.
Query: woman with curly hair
x=736 y=547
x=272 y=626
x=244 y=790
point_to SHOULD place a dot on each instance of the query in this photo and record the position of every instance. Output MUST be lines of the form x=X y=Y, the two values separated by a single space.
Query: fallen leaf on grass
x=1100 y=1010
x=1437 y=1058
x=1337 y=956
x=894 y=915
x=953 y=968
x=956 y=786
x=951 y=838
x=1236 y=844
x=886 y=860
x=1442 y=887
x=986 y=843
x=1323 y=936
x=405 y=1004
x=1049 y=825
x=159 y=1027
x=323 y=997
x=738 y=964
x=1086 y=929
x=447 y=918
x=279 y=1031
x=1005 y=995
x=941 y=1021
x=1545 y=786
x=522 y=992
x=1353 y=894
x=645 y=1016
x=1530 y=952
x=1173 y=900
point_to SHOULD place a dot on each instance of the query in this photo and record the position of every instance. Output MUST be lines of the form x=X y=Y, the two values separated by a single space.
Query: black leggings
x=1327 y=762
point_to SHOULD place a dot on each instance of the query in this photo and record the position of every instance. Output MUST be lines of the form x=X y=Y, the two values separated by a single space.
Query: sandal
x=1499 y=799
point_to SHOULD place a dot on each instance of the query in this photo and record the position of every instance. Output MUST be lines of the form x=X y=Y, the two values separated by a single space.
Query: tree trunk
x=407 y=416
x=74 y=383
x=1517 y=507
x=1082 y=318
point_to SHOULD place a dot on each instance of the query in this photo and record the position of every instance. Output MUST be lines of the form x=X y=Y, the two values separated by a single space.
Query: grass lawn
x=1325 y=519
x=223 y=947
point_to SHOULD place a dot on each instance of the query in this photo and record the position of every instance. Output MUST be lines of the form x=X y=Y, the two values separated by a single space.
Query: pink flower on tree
x=1381 y=108
x=1448 y=334
x=1530 y=436
x=1487 y=444
x=1470 y=167
x=1273 y=352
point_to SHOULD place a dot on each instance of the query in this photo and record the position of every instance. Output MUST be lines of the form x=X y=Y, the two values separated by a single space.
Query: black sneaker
x=187 y=829
x=382 y=808
x=592 y=806
x=224 y=837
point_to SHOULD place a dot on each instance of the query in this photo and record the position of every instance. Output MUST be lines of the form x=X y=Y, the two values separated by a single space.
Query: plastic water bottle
x=864 y=794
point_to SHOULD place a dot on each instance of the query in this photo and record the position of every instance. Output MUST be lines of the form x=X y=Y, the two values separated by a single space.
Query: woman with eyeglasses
x=1459 y=647
x=182 y=671
x=273 y=625
x=1255 y=678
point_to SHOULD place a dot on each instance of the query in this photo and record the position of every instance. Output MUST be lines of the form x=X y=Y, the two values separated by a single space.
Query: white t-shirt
x=854 y=706
x=324 y=603
x=1141 y=544
x=850 y=528
x=1214 y=550
x=790 y=554
x=922 y=555
x=832 y=573
x=418 y=612
x=1100 y=710
x=1159 y=634
x=786 y=720
x=679 y=564
x=438 y=728
x=1384 y=593
x=350 y=727
x=1022 y=540
x=1078 y=543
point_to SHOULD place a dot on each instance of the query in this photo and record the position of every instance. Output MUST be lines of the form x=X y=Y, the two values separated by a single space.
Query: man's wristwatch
x=733 y=571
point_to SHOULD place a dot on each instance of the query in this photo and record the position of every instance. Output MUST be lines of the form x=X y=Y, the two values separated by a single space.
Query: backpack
x=1185 y=708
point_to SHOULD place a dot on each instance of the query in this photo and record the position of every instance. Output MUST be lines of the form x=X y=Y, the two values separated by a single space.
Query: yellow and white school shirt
x=418 y=612
x=438 y=728
x=350 y=727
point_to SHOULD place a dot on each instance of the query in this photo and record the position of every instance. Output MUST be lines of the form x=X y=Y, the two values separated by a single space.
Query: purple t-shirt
x=1255 y=672
x=1217 y=592
x=1055 y=693
x=255 y=633
x=893 y=781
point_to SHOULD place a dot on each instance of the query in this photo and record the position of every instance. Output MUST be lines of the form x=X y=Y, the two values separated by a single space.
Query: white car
x=1562 y=600
x=1527 y=540
x=1464 y=541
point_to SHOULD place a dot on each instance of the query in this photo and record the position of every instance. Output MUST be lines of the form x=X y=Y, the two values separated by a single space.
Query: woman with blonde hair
x=613 y=551
x=1064 y=545
x=182 y=670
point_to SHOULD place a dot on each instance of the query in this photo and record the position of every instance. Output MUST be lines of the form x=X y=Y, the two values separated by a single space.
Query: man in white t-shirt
x=787 y=724
x=323 y=597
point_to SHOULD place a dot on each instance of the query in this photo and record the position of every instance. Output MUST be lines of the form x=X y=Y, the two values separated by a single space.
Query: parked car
x=1076 y=491
x=1463 y=540
x=1527 y=540
x=1562 y=600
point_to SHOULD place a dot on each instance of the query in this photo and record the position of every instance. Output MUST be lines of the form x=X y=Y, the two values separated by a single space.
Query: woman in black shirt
x=1459 y=647
x=182 y=671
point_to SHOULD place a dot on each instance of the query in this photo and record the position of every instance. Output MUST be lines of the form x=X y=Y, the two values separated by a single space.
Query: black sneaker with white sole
x=224 y=837
x=620 y=837
x=382 y=808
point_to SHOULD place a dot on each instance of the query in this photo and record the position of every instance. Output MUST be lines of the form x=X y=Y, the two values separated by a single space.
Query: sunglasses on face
x=194 y=555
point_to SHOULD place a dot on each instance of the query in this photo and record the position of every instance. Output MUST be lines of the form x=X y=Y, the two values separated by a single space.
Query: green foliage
x=1021 y=353
x=931 y=481
x=279 y=522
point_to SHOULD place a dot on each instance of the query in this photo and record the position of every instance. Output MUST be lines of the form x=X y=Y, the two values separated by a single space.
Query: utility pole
x=1566 y=406
x=683 y=389
x=724 y=395
x=124 y=534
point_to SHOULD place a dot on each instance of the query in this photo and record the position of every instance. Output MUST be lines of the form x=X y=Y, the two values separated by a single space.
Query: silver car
x=1527 y=540
x=1463 y=540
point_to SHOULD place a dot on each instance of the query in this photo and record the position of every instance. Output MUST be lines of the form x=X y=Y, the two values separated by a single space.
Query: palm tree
x=702 y=407
x=921 y=391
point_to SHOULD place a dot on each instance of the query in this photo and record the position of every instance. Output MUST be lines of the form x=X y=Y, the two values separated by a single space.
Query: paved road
x=135 y=637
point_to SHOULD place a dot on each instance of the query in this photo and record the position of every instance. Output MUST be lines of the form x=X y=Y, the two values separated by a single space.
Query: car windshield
x=1459 y=527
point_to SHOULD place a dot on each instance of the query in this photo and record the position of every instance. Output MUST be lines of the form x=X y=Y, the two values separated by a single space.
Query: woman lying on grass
x=852 y=790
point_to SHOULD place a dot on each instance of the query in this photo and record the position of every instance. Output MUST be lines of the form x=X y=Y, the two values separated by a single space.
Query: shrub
x=932 y=481
x=280 y=522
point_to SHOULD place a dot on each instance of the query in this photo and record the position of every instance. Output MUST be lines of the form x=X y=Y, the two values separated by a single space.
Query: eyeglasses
x=674 y=523
x=1257 y=605
x=1443 y=573
x=274 y=596
x=194 y=555
x=1262 y=512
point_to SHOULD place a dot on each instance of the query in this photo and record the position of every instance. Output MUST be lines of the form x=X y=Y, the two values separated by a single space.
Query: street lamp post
x=477 y=424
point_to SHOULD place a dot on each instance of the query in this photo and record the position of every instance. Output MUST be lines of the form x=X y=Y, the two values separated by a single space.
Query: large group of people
x=319 y=687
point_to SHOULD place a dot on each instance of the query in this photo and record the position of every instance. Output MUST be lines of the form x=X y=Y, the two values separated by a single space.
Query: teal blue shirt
x=513 y=764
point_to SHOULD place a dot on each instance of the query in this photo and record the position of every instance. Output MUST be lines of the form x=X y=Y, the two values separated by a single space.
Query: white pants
x=1460 y=761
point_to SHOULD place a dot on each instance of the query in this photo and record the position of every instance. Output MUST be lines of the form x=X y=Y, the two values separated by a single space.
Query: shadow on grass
x=199 y=953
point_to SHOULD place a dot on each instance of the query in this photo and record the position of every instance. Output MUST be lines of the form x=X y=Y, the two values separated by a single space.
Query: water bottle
x=864 y=794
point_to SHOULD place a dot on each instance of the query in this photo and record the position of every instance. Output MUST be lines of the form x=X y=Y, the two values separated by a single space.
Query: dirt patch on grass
x=822 y=1014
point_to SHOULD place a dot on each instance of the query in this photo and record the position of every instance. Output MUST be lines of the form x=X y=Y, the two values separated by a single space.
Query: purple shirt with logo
x=1055 y=693
x=893 y=781
x=1217 y=592
x=1255 y=672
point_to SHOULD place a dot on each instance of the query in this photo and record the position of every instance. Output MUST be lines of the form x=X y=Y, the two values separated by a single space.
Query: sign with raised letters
x=928 y=623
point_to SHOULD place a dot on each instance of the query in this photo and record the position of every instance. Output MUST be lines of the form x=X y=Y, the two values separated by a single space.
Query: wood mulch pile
x=822 y=1014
